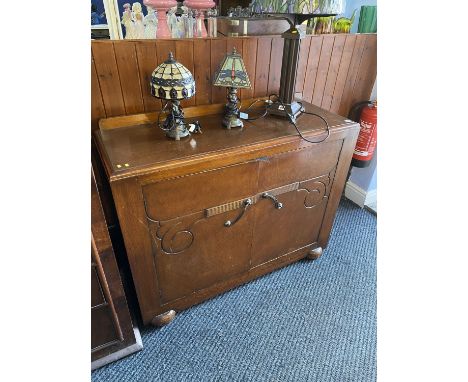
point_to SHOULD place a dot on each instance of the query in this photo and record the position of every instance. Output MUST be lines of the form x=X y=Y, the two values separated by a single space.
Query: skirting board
x=357 y=195
x=121 y=353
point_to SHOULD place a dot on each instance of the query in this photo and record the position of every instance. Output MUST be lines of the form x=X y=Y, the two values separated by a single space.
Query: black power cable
x=259 y=116
x=291 y=118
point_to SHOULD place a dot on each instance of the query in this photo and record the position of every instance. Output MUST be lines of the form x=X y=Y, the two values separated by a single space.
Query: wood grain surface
x=181 y=254
x=334 y=71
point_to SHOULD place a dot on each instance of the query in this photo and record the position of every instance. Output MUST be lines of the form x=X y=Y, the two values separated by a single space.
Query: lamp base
x=232 y=121
x=231 y=111
x=177 y=132
x=174 y=125
x=294 y=109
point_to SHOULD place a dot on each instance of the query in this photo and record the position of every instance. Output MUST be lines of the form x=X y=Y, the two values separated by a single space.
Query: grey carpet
x=310 y=321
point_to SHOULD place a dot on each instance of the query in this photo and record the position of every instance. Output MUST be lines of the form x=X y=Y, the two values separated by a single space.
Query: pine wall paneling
x=334 y=71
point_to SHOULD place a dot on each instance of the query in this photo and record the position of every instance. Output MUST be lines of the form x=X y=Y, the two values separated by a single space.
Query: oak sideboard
x=214 y=210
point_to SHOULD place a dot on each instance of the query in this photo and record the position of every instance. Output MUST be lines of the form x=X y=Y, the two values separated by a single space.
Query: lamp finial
x=171 y=57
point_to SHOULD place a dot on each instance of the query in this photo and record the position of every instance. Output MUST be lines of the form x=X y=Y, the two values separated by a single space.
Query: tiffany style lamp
x=172 y=81
x=232 y=75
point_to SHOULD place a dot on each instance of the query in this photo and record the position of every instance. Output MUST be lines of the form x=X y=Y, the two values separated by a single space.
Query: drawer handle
x=246 y=204
x=278 y=204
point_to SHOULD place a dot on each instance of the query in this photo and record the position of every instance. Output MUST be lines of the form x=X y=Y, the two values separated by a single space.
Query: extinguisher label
x=366 y=141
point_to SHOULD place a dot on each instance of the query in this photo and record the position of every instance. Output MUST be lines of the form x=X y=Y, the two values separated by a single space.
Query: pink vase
x=200 y=6
x=162 y=6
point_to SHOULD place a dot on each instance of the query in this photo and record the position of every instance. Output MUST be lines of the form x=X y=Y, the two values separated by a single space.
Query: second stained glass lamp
x=232 y=75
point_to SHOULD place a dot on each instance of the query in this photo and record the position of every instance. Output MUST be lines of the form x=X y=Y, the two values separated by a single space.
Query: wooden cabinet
x=202 y=215
x=112 y=333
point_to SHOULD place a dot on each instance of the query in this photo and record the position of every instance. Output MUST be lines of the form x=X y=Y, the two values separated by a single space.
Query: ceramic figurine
x=200 y=6
x=172 y=21
x=189 y=22
x=127 y=22
x=138 y=21
x=161 y=6
x=150 y=22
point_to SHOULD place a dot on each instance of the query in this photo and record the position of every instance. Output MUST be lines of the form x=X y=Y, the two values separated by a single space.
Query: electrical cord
x=317 y=115
x=269 y=104
x=291 y=119
x=259 y=116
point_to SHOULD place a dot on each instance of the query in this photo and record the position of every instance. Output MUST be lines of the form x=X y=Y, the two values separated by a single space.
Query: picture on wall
x=98 y=13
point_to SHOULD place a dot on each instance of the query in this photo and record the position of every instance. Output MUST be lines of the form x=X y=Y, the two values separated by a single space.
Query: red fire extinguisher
x=367 y=140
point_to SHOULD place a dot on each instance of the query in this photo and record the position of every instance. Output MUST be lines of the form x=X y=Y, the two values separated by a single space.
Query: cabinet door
x=308 y=176
x=193 y=247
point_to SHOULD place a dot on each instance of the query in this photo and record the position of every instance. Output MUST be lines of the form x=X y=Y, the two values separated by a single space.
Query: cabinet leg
x=164 y=318
x=315 y=253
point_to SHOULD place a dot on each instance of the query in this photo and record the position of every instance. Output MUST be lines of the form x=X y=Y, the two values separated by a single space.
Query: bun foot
x=315 y=253
x=164 y=318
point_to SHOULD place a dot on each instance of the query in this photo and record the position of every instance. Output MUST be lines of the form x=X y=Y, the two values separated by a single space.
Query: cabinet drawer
x=171 y=198
x=294 y=166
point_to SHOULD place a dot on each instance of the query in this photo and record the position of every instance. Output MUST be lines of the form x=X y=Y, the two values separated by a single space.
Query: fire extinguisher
x=367 y=139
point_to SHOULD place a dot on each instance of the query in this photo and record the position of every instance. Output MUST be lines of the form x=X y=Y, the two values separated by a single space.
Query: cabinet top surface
x=140 y=147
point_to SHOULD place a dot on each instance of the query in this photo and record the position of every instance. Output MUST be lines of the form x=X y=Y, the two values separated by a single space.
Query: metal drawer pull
x=278 y=204
x=246 y=204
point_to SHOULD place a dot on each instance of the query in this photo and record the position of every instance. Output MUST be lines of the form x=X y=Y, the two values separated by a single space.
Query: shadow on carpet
x=310 y=321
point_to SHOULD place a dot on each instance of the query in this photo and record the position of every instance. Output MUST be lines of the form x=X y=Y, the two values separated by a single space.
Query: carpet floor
x=310 y=321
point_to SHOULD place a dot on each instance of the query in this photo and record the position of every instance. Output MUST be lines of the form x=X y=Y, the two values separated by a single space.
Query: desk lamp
x=285 y=105
x=172 y=81
x=232 y=75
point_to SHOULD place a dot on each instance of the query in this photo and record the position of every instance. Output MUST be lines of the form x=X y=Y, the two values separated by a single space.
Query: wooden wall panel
x=367 y=71
x=218 y=52
x=332 y=72
x=312 y=65
x=351 y=76
x=249 y=55
x=342 y=72
x=335 y=71
x=97 y=106
x=322 y=71
x=262 y=66
x=202 y=66
x=125 y=55
x=184 y=54
x=108 y=77
x=147 y=58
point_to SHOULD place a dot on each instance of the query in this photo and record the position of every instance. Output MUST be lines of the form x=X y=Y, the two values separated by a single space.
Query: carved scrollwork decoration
x=173 y=236
x=316 y=190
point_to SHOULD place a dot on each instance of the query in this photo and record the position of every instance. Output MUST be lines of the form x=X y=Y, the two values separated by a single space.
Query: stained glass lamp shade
x=172 y=81
x=232 y=72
